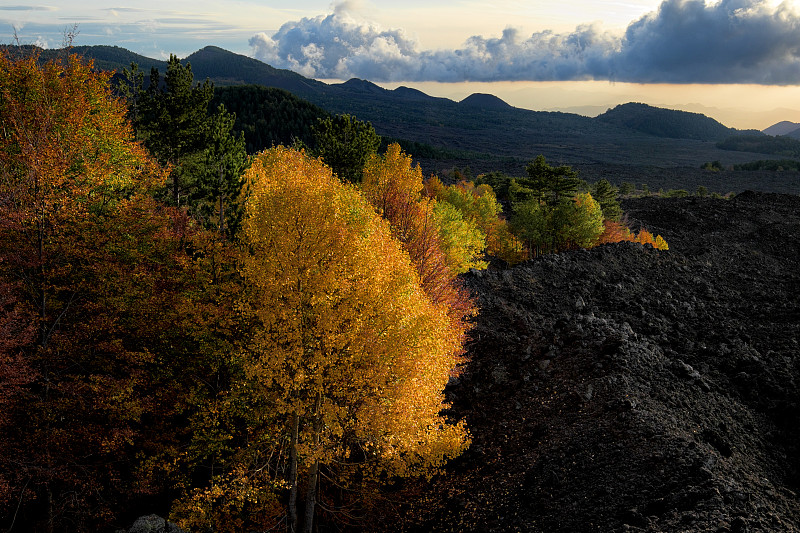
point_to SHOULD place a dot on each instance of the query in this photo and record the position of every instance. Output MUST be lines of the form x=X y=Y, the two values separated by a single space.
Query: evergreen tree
x=626 y=188
x=174 y=124
x=551 y=184
x=543 y=206
x=220 y=177
x=172 y=117
x=345 y=144
x=606 y=195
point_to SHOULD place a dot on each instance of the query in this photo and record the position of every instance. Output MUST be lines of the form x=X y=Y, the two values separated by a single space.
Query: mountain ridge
x=495 y=137
x=784 y=127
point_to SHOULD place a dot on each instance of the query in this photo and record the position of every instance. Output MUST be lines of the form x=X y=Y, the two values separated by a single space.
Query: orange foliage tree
x=346 y=358
x=394 y=186
x=617 y=232
x=90 y=272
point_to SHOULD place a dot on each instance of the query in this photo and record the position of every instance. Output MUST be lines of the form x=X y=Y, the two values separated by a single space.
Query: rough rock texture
x=626 y=389
x=153 y=524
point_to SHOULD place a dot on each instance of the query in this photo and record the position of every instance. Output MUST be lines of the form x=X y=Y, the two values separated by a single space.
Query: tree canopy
x=205 y=158
x=95 y=301
x=345 y=144
x=348 y=356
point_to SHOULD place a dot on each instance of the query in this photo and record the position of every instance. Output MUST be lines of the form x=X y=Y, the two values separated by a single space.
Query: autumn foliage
x=99 y=299
x=618 y=232
x=394 y=186
x=244 y=377
x=479 y=207
x=346 y=360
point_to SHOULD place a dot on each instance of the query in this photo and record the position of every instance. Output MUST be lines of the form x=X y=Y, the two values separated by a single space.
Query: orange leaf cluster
x=394 y=186
x=617 y=232
x=94 y=285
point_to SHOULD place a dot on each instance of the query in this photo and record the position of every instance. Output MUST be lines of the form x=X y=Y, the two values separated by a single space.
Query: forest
x=239 y=327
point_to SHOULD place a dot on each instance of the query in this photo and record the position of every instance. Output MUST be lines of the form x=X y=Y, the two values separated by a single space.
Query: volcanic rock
x=628 y=389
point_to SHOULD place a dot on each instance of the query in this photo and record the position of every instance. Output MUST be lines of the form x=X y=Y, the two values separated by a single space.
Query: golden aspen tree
x=393 y=185
x=584 y=225
x=463 y=241
x=348 y=356
x=479 y=205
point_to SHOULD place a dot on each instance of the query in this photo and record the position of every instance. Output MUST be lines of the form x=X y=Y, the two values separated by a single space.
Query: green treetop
x=345 y=145
x=172 y=118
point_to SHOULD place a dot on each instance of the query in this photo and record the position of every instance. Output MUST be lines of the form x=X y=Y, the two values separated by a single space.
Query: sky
x=735 y=60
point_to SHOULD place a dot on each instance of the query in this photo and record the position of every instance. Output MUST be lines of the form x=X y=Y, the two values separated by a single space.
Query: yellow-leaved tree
x=347 y=356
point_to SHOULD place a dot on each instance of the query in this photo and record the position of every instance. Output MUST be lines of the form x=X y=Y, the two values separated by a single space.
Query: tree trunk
x=293 y=474
x=313 y=473
x=311 y=497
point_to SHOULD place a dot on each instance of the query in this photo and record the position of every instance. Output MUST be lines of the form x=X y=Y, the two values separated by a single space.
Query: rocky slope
x=626 y=389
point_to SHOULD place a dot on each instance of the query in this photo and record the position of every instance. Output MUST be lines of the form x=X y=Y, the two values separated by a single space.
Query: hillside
x=782 y=145
x=268 y=116
x=494 y=136
x=625 y=389
x=226 y=68
x=110 y=57
x=484 y=101
x=666 y=122
x=782 y=128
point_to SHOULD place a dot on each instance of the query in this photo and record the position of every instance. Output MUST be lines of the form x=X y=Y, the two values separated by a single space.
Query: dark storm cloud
x=735 y=41
x=685 y=41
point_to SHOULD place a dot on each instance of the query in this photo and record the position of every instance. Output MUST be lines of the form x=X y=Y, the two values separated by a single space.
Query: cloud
x=685 y=41
x=739 y=41
x=27 y=8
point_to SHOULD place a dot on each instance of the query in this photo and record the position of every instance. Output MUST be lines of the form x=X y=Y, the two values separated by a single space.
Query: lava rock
x=658 y=391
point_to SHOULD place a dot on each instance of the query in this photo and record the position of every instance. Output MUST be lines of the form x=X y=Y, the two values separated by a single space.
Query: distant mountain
x=795 y=134
x=666 y=122
x=481 y=132
x=226 y=68
x=783 y=127
x=484 y=101
x=412 y=94
x=105 y=57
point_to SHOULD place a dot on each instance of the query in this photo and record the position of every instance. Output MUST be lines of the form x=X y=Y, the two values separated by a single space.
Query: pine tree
x=606 y=195
x=551 y=184
x=173 y=119
x=345 y=144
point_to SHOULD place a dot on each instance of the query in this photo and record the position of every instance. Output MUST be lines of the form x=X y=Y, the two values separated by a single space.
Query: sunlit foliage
x=348 y=357
x=479 y=205
x=93 y=287
x=394 y=186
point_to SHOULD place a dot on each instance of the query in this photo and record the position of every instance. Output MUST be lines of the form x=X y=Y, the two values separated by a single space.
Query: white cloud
x=733 y=41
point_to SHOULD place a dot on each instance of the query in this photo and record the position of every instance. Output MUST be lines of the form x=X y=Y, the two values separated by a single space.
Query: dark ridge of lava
x=627 y=389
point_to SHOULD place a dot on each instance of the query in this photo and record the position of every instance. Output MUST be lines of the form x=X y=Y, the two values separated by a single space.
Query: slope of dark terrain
x=666 y=122
x=626 y=389
x=490 y=135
